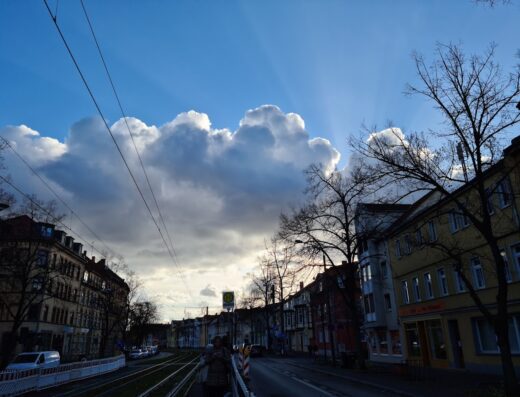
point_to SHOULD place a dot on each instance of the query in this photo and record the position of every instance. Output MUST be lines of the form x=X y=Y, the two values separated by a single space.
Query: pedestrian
x=218 y=362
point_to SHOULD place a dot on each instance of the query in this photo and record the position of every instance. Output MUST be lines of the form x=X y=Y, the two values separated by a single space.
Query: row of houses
x=410 y=288
x=55 y=297
x=314 y=319
x=412 y=265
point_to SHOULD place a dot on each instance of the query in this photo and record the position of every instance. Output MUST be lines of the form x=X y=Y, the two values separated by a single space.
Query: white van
x=32 y=360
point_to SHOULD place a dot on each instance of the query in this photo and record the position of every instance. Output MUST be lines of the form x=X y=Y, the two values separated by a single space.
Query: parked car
x=137 y=354
x=257 y=350
x=33 y=360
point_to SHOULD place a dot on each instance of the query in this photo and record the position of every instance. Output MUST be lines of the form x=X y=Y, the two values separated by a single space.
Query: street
x=275 y=377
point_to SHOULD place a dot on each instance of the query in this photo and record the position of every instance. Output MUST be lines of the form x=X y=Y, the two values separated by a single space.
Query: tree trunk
x=510 y=381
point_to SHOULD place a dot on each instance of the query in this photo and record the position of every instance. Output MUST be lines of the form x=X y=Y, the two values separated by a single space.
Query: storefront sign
x=421 y=309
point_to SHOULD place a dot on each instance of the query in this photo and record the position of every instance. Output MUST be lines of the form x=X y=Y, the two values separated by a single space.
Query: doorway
x=456 y=344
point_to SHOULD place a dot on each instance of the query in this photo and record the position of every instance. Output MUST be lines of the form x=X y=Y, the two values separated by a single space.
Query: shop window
x=486 y=339
x=396 y=342
x=436 y=337
x=412 y=340
x=383 y=342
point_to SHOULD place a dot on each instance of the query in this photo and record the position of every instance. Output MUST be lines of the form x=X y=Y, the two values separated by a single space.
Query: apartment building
x=440 y=321
x=380 y=322
x=298 y=320
x=57 y=297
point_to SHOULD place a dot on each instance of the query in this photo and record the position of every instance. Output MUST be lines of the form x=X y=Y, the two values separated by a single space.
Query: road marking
x=312 y=386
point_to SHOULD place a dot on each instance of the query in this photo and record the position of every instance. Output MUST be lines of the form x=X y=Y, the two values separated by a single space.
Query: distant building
x=298 y=320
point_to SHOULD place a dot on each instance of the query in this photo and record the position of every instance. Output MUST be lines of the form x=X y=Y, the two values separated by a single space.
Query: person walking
x=218 y=362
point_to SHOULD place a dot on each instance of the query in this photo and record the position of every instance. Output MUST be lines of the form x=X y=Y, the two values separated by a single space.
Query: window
x=37 y=284
x=443 y=282
x=388 y=302
x=397 y=248
x=486 y=339
x=45 y=231
x=504 y=193
x=436 y=337
x=453 y=219
x=384 y=269
x=408 y=244
x=416 y=289
x=42 y=258
x=369 y=304
x=432 y=231
x=489 y=202
x=478 y=273
x=383 y=342
x=404 y=292
x=45 y=313
x=459 y=282
x=428 y=285
x=507 y=269
x=85 y=276
x=419 y=238
x=33 y=312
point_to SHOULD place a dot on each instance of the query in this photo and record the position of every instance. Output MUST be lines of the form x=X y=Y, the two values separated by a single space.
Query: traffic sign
x=228 y=300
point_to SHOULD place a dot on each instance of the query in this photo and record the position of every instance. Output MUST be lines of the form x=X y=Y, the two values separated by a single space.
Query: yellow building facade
x=441 y=323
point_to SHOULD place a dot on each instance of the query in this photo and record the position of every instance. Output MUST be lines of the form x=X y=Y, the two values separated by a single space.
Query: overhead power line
x=100 y=112
x=53 y=191
x=123 y=114
x=50 y=214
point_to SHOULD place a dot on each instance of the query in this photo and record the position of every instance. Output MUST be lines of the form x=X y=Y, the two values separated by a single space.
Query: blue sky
x=336 y=63
x=221 y=188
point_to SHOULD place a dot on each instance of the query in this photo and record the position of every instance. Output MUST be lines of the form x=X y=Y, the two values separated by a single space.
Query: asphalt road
x=276 y=377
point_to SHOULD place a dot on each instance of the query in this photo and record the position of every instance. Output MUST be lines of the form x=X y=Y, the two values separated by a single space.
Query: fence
x=13 y=383
x=238 y=386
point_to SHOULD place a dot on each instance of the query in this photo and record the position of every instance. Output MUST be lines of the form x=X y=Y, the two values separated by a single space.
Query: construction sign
x=228 y=300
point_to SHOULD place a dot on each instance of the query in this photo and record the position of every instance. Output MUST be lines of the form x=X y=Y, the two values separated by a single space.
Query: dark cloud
x=220 y=191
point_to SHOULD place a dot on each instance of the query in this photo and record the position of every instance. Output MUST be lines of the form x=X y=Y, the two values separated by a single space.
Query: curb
x=356 y=380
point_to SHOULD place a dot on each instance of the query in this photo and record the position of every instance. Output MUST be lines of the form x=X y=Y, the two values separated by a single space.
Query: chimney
x=301 y=285
x=93 y=259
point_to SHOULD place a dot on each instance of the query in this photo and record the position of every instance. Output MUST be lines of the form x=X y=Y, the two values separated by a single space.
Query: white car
x=33 y=360
x=136 y=354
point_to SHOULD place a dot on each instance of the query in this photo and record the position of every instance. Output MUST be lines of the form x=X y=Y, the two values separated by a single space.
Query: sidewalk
x=419 y=383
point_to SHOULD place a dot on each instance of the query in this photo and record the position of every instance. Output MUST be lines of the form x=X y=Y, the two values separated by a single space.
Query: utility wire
x=123 y=113
x=53 y=217
x=91 y=94
x=53 y=191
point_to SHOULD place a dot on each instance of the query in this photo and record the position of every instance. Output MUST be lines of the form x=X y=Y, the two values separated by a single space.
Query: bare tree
x=280 y=257
x=478 y=102
x=325 y=225
x=263 y=287
x=142 y=314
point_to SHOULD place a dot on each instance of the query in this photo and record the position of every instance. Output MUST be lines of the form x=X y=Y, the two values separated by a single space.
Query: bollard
x=245 y=366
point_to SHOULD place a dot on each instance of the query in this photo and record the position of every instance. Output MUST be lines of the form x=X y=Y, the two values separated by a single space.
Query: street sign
x=228 y=300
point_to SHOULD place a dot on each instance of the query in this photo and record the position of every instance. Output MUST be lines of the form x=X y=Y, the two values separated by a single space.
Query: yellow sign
x=228 y=299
